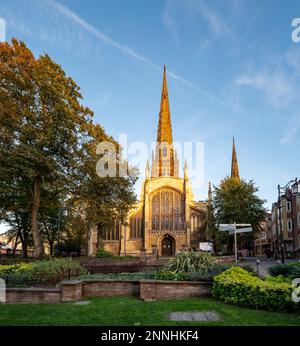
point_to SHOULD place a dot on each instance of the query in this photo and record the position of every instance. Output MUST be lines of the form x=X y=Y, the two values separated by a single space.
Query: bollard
x=257 y=267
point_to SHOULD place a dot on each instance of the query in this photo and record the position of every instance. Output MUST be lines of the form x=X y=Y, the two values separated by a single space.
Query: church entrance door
x=168 y=246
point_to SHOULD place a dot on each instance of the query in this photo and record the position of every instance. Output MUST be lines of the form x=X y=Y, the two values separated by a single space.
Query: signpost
x=232 y=229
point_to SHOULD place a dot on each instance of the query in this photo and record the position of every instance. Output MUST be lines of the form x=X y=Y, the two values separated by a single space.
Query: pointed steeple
x=164 y=130
x=147 y=170
x=234 y=164
x=165 y=163
x=209 y=192
x=186 y=170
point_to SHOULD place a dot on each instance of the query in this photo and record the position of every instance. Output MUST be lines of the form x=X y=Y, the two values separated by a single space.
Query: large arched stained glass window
x=167 y=210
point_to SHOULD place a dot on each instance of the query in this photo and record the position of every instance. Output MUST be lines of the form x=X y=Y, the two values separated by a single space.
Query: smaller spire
x=147 y=171
x=234 y=163
x=209 y=192
x=186 y=170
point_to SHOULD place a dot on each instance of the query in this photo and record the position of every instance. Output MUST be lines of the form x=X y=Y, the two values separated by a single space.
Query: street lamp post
x=292 y=187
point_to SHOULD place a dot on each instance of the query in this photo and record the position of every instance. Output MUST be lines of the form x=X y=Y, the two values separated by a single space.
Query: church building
x=167 y=218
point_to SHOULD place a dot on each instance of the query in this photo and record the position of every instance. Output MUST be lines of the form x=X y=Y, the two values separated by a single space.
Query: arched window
x=196 y=224
x=113 y=233
x=136 y=225
x=167 y=209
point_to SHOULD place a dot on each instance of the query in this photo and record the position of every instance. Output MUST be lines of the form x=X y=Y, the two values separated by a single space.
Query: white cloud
x=276 y=87
x=173 y=10
x=292 y=130
x=216 y=23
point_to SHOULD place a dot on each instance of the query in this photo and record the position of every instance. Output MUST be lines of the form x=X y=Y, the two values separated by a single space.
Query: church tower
x=164 y=161
x=166 y=219
x=234 y=164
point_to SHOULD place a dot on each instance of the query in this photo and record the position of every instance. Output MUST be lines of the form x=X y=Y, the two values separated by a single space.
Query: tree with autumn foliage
x=47 y=139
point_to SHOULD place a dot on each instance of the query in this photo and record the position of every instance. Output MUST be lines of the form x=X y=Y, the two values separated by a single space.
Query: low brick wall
x=75 y=290
x=33 y=295
x=71 y=291
x=152 y=289
x=225 y=259
x=105 y=288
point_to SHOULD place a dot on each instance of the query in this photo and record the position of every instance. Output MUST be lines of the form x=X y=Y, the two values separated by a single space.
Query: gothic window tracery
x=167 y=210
x=135 y=222
x=113 y=233
x=196 y=224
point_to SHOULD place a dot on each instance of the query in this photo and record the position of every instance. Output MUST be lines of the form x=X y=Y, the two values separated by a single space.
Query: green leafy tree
x=236 y=201
x=96 y=202
x=48 y=146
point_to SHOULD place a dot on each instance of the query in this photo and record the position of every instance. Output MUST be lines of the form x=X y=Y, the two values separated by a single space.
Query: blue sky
x=233 y=71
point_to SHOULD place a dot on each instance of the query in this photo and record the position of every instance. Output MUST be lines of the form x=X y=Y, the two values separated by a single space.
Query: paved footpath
x=264 y=264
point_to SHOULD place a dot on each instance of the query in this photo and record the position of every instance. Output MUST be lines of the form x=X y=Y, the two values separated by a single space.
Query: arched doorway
x=167 y=246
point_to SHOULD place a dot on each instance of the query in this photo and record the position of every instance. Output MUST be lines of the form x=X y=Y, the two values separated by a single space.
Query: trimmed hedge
x=289 y=270
x=239 y=287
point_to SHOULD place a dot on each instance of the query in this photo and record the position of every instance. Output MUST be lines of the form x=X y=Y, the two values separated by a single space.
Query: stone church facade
x=167 y=218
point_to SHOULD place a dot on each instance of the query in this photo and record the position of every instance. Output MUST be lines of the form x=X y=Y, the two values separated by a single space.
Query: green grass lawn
x=132 y=311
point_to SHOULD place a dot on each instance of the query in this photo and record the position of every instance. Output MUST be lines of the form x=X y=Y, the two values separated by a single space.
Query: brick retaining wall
x=33 y=295
x=152 y=289
x=104 y=288
x=75 y=290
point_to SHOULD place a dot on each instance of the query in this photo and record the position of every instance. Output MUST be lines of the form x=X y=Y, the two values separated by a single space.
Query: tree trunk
x=51 y=242
x=24 y=248
x=37 y=239
x=24 y=244
x=16 y=244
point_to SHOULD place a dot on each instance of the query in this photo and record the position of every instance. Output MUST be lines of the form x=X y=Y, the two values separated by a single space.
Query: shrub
x=41 y=272
x=14 y=268
x=239 y=287
x=278 y=279
x=191 y=262
x=104 y=254
x=215 y=270
x=249 y=268
x=290 y=270
x=120 y=276
x=55 y=270
x=166 y=274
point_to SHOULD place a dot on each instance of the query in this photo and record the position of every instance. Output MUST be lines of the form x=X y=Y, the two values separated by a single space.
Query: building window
x=289 y=225
x=196 y=223
x=288 y=206
x=135 y=222
x=113 y=233
x=167 y=210
x=165 y=151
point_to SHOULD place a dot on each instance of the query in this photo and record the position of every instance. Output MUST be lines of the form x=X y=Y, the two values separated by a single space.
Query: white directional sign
x=223 y=227
x=232 y=229
x=241 y=230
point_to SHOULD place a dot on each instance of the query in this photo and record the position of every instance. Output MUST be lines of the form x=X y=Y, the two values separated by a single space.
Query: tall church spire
x=164 y=130
x=165 y=161
x=234 y=163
